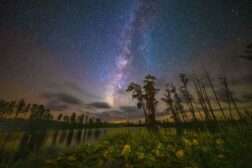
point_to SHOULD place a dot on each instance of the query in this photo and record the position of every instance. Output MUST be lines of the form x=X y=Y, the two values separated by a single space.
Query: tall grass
x=230 y=146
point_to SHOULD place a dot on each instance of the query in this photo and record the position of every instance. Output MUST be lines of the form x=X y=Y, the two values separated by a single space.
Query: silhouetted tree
x=150 y=97
x=40 y=112
x=66 y=118
x=80 y=119
x=98 y=121
x=86 y=119
x=73 y=118
x=137 y=93
x=90 y=120
x=169 y=101
x=6 y=108
x=2 y=108
x=37 y=112
x=20 y=107
x=34 y=111
x=59 y=117
x=139 y=122
x=178 y=105
x=187 y=95
x=145 y=97
x=27 y=108
x=47 y=115
x=10 y=107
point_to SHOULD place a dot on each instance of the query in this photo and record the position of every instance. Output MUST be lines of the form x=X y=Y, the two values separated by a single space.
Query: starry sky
x=80 y=55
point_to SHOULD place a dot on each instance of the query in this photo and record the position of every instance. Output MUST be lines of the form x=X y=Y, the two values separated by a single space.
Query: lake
x=28 y=147
x=20 y=146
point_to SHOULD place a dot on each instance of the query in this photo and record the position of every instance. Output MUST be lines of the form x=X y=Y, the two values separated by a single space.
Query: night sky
x=80 y=55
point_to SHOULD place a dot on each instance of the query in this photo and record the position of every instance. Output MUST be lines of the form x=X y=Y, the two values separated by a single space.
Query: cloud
x=125 y=113
x=132 y=112
x=241 y=80
x=60 y=101
x=77 y=88
x=56 y=106
x=222 y=96
x=106 y=115
x=128 y=108
x=74 y=88
x=63 y=97
x=101 y=105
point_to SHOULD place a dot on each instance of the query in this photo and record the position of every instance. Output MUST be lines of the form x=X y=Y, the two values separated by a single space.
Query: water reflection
x=62 y=136
x=22 y=145
x=70 y=137
x=55 y=137
x=78 y=136
x=84 y=135
x=29 y=144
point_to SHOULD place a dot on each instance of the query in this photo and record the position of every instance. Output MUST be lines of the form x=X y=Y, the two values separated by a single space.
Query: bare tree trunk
x=145 y=115
x=178 y=109
x=1 y=115
x=170 y=102
x=149 y=115
x=232 y=99
x=16 y=115
x=201 y=97
x=189 y=102
x=183 y=111
x=201 y=117
x=215 y=95
x=208 y=101
x=191 y=105
x=153 y=111
x=229 y=103
x=183 y=117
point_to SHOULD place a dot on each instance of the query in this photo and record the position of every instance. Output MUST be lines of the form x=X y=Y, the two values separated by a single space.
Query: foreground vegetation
x=228 y=147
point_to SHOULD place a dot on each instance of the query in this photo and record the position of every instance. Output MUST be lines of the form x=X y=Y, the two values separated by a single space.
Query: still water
x=20 y=146
x=27 y=149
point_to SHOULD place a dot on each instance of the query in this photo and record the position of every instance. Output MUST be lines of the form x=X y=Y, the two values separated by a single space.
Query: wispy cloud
x=100 y=105
x=60 y=101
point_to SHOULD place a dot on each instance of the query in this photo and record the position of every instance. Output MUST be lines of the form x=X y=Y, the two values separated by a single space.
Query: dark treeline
x=23 y=115
x=16 y=109
x=187 y=104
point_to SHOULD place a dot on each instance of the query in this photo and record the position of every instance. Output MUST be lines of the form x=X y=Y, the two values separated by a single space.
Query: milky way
x=133 y=33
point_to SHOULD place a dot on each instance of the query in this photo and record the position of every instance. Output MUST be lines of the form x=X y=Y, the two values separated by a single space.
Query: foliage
x=229 y=147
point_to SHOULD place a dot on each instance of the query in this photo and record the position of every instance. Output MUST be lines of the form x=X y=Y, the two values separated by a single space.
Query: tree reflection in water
x=31 y=142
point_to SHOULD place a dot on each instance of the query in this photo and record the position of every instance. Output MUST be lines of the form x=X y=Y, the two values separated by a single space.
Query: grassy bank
x=230 y=147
